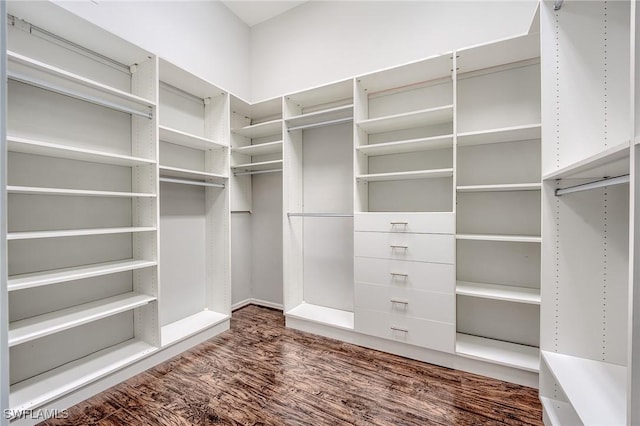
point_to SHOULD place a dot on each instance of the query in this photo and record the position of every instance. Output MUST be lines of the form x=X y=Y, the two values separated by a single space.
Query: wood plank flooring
x=260 y=373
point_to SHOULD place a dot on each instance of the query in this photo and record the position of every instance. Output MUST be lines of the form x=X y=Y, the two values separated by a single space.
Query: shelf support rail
x=192 y=182
x=257 y=172
x=320 y=214
x=321 y=124
x=77 y=95
x=618 y=180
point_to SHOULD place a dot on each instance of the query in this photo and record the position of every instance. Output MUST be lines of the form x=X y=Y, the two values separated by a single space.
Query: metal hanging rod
x=241 y=211
x=593 y=185
x=557 y=4
x=181 y=92
x=320 y=214
x=76 y=95
x=257 y=172
x=321 y=124
x=192 y=182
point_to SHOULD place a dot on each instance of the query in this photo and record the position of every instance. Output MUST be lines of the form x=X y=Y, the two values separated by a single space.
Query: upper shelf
x=507 y=51
x=36 y=73
x=31 y=235
x=608 y=163
x=418 y=174
x=260 y=166
x=183 y=80
x=178 y=137
x=31 y=190
x=190 y=174
x=411 y=145
x=408 y=120
x=505 y=134
x=507 y=187
x=318 y=118
x=260 y=130
x=260 y=149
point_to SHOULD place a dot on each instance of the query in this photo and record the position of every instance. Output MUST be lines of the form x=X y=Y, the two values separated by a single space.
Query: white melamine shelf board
x=323 y=315
x=263 y=165
x=498 y=53
x=408 y=120
x=184 y=80
x=341 y=91
x=31 y=190
x=500 y=135
x=190 y=325
x=596 y=390
x=501 y=187
x=560 y=413
x=48 y=386
x=500 y=237
x=169 y=171
x=418 y=174
x=178 y=137
x=345 y=111
x=260 y=149
x=410 y=145
x=608 y=163
x=498 y=292
x=108 y=91
x=43 y=325
x=268 y=128
x=498 y=352
x=37 y=279
x=31 y=235
x=47 y=149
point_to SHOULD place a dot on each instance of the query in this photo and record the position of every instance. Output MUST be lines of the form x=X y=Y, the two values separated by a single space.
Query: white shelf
x=27 y=146
x=169 y=171
x=419 y=174
x=411 y=145
x=501 y=187
x=319 y=117
x=499 y=237
x=260 y=130
x=193 y=324
x=560 y=413
x=43 y=325
x=260 y=149
x=48 y=386
x=596 y=390
x=501 y=135
x=515 y=49
x=30 y=190
x=252 y=167
x=608 y=163
x=37 y=279
x=498 y=352
x=498 y=292
x=408 y=120
x=30 y=235
x=183 y=80
x=178 y=137
x=322 y=315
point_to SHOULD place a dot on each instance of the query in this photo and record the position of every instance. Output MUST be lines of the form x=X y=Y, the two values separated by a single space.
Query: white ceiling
x=253 y=12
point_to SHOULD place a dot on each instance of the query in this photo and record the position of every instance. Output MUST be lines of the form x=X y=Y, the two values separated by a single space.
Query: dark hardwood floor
x=260 y=373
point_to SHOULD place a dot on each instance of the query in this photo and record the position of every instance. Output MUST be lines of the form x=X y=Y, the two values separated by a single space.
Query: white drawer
x=413 y=331
x=405 y=302
x=405 y=274
x=425 y=223
x=438 y=248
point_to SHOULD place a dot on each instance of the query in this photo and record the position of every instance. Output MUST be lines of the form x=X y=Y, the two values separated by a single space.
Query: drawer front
x=426 y=223
x=405 y=274
x=405 y=302
x=413 y=331
x=437 y=248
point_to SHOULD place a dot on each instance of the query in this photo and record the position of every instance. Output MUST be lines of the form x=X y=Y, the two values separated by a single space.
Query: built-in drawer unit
x=422 y=223
x=437 y=248
x=404 y=274
x=401 y=328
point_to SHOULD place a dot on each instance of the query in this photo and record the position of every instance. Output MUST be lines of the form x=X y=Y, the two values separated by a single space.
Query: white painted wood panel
x=438 y=248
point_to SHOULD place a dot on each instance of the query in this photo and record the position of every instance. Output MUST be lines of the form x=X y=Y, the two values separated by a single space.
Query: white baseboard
x=258 y=302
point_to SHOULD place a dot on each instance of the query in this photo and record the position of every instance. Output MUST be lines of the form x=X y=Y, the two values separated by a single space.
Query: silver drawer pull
x=399 y=302
x=397 y=274
x=403 y=330
x=399 y=223
x=394 y=246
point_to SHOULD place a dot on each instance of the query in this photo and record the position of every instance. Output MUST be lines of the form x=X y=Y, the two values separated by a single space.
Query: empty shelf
x=260 y=149
x=596 y=390
x=36 y=279
x=411 y=145
x=560 y=413
x=263 y=165
x=30 y=190
x=190 y=325
x=260 y=130
x=408 y=120
x=503 y=52
x=322 y=315
x=418 y=174
x=500 y=237
x=27 y=146
x=316 y=118
x=498 y=292
x=190 y=174
x=30 y=235
x=608 y=163
x=43 y=325
x=178 y=137
x=505 y=134
x=498 y=352
x=501 y=187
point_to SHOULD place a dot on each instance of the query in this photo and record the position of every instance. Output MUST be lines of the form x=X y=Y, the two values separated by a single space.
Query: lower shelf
x=193 y=324
x=49 y=386
x=498 y=352
x=322 y=315
x=559 y=413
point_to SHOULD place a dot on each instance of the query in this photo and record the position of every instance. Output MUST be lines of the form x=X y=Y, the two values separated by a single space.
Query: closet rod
x=321 y=124
x=184 y=93
x=320 y=214
x=191 y=182
x=76 y=95
x=593 y=185
x=258 y=172
x=241 y=211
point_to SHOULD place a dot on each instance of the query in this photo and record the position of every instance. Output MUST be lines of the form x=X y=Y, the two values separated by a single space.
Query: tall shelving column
x=4 y=316
x=195 y=283
x=586 y=333
x=498 y=202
